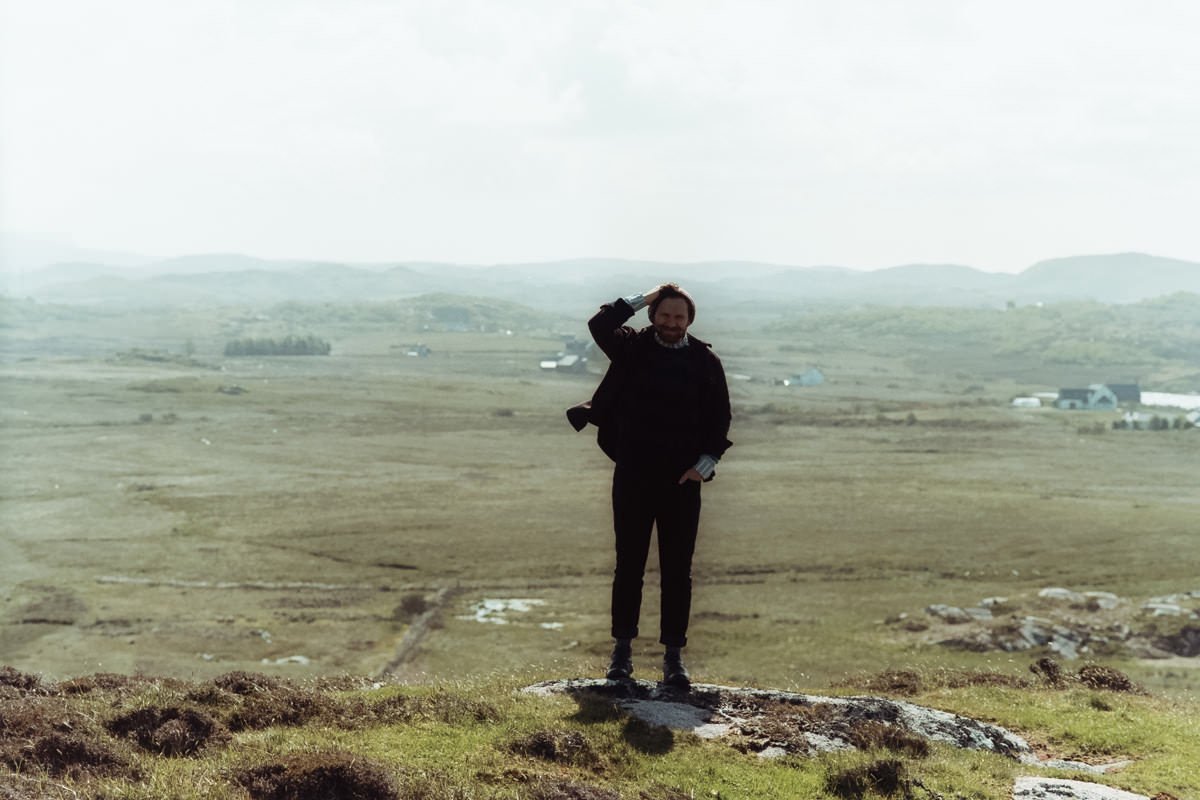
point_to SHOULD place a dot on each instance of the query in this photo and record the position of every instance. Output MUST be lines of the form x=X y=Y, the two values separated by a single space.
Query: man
x=663 y=414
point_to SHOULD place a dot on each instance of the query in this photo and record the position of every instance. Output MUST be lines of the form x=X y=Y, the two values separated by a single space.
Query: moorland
x=172 y=510
x=346 y=563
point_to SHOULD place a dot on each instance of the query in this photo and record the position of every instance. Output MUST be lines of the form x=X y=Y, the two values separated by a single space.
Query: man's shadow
x=646 y=738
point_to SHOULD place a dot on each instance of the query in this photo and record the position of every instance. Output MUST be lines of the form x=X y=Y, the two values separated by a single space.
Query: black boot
x=674 y=672
x=620 y=665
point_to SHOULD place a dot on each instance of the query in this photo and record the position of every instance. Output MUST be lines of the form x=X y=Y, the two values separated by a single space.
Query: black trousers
x=642 y=501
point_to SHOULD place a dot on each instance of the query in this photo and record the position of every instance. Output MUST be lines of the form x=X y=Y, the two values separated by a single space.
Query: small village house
x=1096 y=397
x=810 y=377
x=1126 y=392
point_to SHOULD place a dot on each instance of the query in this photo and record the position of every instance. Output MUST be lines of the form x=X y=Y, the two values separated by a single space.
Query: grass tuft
x=559 y=747
x=170 y=731
x=884 y=777
x=332 y=775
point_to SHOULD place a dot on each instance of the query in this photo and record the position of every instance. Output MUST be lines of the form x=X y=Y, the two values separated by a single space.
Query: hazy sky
x=841 y=132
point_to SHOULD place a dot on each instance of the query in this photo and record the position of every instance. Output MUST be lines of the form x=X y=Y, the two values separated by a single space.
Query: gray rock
x=992 y=602
x=1034 y=788
x=1064 y=647
x=1080 y=766
x=951 y=614
x=1163 y=609
x=715 y=711
x=979 y=613
x=774 y=751
x=1036 y=631
x=1059 y=593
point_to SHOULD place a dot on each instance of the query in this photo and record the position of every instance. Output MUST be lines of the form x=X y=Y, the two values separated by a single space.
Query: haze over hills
x=233 y=279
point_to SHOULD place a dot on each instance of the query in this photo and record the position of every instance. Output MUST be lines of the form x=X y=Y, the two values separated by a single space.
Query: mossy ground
x=486 y=739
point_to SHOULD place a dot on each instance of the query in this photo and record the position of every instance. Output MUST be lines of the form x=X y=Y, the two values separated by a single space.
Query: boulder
x=951 y=614
x=1059 y=593
x=1034 y=788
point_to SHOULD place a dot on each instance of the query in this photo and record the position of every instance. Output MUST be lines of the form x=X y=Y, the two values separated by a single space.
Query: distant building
x=1096 y=397
x=564 y=362
x=810 y=377
x=577 y=346
x=1126 y=392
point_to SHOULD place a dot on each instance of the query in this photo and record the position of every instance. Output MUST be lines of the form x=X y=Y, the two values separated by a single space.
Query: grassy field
x=297 y=516
x=240 y=736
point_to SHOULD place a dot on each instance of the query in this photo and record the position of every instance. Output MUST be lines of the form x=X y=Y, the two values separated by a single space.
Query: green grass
x=451 y=750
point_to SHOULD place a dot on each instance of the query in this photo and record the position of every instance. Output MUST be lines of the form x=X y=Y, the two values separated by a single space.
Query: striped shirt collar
x=682 y=343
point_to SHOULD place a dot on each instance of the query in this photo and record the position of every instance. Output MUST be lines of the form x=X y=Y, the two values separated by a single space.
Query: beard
x=671 y=335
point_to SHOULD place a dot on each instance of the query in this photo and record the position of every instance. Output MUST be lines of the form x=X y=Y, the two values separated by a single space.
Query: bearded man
x=663 y=415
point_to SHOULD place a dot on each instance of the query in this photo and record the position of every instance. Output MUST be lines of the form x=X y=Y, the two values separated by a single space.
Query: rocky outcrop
x=773 y=723
x=1068 y=623
x=1033 y=788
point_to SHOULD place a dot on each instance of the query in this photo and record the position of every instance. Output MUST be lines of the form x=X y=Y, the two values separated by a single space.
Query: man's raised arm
x=608 y=327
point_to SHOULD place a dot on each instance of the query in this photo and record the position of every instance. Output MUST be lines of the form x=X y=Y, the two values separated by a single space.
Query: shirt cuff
x=636 y=301
x=706 y=466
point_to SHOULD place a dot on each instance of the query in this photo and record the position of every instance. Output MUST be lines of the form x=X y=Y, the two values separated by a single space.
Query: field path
x=418 y=630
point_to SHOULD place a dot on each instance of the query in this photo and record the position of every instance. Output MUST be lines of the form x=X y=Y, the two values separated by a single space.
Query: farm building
x=1096 y=397
x=810 y=377
x=1126 y=392
x=564 y=362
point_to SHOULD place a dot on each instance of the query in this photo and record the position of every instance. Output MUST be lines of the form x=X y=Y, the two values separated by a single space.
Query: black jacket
x=626 y=348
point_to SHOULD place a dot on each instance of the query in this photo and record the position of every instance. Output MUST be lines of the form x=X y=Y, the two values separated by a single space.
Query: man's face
x=671 y=319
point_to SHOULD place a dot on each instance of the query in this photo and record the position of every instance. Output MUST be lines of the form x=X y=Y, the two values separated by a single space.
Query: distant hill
x=21 y=253
x=1110 y=342
x=1117 y=278
x=574 y=285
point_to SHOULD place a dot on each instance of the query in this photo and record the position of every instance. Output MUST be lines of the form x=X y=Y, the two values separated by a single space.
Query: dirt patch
x=284 y=706
x=779 y=724
x=553 y=789
x=559 y=747
x=794 y=728
x=1094 y=676
x=906 y=683
x=16 y=683
x=330 y=776
x=399 y=709
x=885 y=777
x=344 y=682
x=959 y=680
x=74 y=756
x=101 y=682
x=31 y=789
x=1050 y=672
x=246 y=683
x=1185 y=642
x=881 y=736
x=170 y=731
x=45 y=733
x=900 y=682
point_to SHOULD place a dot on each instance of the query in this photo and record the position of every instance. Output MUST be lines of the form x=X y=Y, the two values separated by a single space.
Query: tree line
x=288 y=346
